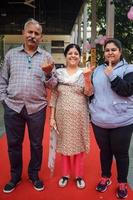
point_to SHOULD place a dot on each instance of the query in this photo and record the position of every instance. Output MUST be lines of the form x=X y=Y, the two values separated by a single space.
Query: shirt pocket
x=120 y=107
x=37 y=73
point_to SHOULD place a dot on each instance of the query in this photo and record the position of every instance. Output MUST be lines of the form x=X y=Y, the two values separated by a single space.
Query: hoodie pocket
x=120 y=107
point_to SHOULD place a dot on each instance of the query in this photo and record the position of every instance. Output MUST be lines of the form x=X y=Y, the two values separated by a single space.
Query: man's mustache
x=32 y=39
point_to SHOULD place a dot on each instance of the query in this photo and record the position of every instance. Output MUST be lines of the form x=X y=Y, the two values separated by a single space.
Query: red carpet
x=25 y=191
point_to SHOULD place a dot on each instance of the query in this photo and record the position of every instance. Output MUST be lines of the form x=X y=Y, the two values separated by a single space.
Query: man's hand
x=47 y=66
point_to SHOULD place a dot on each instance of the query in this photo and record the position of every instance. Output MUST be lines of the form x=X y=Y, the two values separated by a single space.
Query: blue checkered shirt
x=22 y=81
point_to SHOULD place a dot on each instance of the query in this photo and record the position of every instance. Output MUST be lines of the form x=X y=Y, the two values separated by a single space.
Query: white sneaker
x=63 y=181
x=80 y=183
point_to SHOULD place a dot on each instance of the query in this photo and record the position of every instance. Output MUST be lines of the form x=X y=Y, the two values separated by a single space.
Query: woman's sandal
x=80 y=183
x=63 y=181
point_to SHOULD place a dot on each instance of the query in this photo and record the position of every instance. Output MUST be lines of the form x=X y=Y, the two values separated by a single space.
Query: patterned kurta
x=71 y=113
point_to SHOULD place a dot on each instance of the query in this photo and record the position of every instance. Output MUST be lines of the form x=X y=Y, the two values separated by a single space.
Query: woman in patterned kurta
x=69 y=115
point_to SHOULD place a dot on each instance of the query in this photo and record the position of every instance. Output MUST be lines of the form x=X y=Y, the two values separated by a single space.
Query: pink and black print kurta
x=71 y=113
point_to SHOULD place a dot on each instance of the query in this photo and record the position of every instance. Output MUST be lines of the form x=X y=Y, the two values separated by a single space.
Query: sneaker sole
x=5 y=191
x=121 y=197
x=37 y=189
x=105 y=188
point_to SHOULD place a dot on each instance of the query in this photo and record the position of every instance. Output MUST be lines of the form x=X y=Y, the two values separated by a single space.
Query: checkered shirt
x=22 y=81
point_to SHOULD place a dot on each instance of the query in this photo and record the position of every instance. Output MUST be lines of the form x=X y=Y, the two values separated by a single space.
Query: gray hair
x=32 y=21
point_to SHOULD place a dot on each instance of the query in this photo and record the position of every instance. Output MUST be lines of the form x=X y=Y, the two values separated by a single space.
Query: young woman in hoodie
x=111 y=111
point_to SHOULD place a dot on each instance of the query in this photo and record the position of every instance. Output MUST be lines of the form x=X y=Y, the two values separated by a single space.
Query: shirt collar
x=39 y=50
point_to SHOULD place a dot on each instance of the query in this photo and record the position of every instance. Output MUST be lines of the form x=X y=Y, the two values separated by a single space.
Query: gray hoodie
x=108 y=109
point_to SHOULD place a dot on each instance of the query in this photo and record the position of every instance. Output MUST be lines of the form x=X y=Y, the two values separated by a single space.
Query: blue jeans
x=15 y=128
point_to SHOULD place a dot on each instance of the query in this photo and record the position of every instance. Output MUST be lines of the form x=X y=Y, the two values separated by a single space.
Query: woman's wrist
x=87 y=76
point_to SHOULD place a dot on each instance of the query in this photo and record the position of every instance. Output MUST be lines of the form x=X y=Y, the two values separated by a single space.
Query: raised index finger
x=110 y=63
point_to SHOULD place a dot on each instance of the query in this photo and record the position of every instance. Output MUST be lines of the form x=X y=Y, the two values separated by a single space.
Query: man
x=26 y=72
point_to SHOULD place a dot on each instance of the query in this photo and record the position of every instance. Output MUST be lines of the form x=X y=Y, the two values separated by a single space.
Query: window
x=57 y=43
